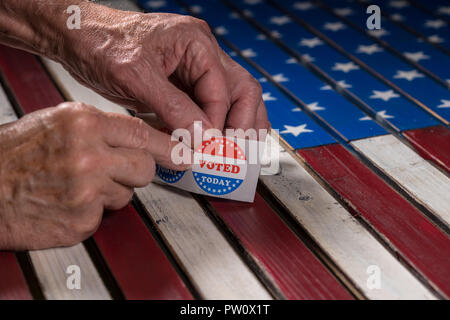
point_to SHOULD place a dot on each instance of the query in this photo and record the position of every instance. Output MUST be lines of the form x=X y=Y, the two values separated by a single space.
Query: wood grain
x=410 y=235
x=215 y=269
x=340 y=235
x=415 y=175
x=51 y=267
x=432 y=143
x=294 y=269
x=135 y=259
x=12 y=282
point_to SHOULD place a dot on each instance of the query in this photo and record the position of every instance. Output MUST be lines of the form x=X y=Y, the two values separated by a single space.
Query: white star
x=279 y=78
x=314 y=106
x=380 y=114
x=370 y=49
x=296 y=130
x=408 y=75
x=274 y=34
x=445 y=104
x=235 y=15
x=306 y=5
x=397 y=17
x=334 y=26
x=248 y=53
x=416 y=56
x=444 y=10
x=343 y=11
x=398 y=4
x=345 y=67
x=435 y=39
x=252 y=2
x=378 y=33
x=306 y=57
x=384 y=95
x=311 y=42
x=436 y=24
x=267 y=96
x=196 y=9
x=340 y=83
x=221 y=30
x=156 y=4
x=280 y=20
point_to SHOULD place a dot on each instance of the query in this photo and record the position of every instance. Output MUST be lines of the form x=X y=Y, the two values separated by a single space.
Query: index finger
x=130 y=132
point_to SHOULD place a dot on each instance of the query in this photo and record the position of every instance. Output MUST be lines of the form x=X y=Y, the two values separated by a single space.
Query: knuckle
x=81 y=197
x=139 y=133
x=83 y=163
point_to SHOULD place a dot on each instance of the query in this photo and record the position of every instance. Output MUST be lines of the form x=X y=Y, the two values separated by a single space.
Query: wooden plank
x=432 y=143
x=151 y=262
x=12 y=282
x=137 y=262
x=293 y=267
x=413 y=238
x=210 y=262
x=52 y=269
x=415 y=175
x=337 y=232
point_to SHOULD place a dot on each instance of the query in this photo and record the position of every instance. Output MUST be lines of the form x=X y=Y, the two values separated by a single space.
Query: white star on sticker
x=296 y=130
x=340 y=83
x=235 y=15
x=444 y=10
x=408 y=75
x=436 y=24
x=398 y=4
x=435 y=39
x=311 y=42
x=378 y=33
x=384 y=95
x=370 y=49
x=416 y=56
x=156 y=4
x=343 y=11
x=279 y=78
x=397 y=17
x=345 y=67
x=380 y=114
x=303 y=5
x=281 y=20
x=267 y=96
x=334 y=26
x=196 y=9
x=221 y=30
x=445 y=104
x=248 y=53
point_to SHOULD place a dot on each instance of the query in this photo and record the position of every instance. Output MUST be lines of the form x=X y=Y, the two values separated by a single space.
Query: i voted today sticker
x=223 y=167
x=220 y=166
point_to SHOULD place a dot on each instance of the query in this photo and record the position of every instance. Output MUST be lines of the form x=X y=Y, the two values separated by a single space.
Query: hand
x=61 y=167
x=163 y=63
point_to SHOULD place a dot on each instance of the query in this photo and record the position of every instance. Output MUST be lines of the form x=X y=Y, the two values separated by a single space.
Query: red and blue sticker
x=169 y=175
x=220 y=166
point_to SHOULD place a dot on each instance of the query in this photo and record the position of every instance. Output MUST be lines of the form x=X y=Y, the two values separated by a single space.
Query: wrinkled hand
x=163 y=63
x=61 y=167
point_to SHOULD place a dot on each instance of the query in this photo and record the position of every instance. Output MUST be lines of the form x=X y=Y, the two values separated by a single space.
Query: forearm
x=37 y=26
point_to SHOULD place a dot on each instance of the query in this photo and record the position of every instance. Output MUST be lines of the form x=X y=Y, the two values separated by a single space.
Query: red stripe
x=12 y=282
x=416 y=239
x=290 y=264
x=432 y=143
x=138 y=264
